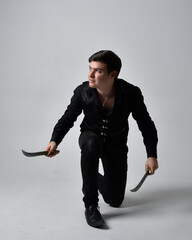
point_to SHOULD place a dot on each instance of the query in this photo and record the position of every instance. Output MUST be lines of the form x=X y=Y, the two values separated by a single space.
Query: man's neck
x=104 y=93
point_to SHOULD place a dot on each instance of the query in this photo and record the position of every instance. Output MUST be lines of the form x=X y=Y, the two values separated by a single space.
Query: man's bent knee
x=90 y=141
x=116 y=203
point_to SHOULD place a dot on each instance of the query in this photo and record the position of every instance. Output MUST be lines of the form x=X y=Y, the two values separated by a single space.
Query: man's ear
x=113 y=74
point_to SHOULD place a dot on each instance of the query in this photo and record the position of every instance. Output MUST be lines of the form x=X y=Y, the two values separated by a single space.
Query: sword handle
x=149 y=171
x=55 y=152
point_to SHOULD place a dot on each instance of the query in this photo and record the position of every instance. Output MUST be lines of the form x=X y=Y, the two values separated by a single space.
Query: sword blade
x=141 y=182
x=35 y=154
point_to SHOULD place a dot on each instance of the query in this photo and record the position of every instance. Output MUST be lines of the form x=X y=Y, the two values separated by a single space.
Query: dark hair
x=108 y=57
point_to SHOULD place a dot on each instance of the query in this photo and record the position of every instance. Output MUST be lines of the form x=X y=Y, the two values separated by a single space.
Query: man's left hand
x=151 y=164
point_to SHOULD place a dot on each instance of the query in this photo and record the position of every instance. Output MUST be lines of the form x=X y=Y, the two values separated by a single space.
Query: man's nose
x=92 y=73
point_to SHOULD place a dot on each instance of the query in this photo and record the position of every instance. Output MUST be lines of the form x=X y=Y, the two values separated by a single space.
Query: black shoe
x=93 y=217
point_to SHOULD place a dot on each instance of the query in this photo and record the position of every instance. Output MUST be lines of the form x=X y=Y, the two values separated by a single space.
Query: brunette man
x=106 y=102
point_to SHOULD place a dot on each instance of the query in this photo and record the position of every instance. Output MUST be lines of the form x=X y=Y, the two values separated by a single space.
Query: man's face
x=98 y=75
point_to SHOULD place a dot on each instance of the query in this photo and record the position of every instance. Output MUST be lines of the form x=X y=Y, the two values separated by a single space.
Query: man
x=106 y=102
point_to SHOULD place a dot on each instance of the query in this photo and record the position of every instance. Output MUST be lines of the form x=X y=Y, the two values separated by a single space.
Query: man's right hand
x=51 y=149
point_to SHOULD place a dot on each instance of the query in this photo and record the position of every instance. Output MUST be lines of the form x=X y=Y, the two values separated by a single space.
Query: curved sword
x=35 y=154
x=148 y=172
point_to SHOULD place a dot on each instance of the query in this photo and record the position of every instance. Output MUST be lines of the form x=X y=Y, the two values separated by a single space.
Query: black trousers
x=113 y=154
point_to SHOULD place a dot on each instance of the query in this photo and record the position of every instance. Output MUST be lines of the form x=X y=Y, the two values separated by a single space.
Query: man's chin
x=92 y=85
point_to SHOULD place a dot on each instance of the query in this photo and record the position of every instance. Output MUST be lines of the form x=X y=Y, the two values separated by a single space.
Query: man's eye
x=96 y=70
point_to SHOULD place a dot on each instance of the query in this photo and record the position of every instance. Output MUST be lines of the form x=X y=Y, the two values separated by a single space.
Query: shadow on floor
x=154 y=202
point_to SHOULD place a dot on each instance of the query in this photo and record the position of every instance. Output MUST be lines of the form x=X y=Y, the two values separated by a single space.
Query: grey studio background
x=44 y=47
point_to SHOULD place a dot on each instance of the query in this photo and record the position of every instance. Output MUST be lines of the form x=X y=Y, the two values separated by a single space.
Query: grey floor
x=44 y=47
x=42 y=200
